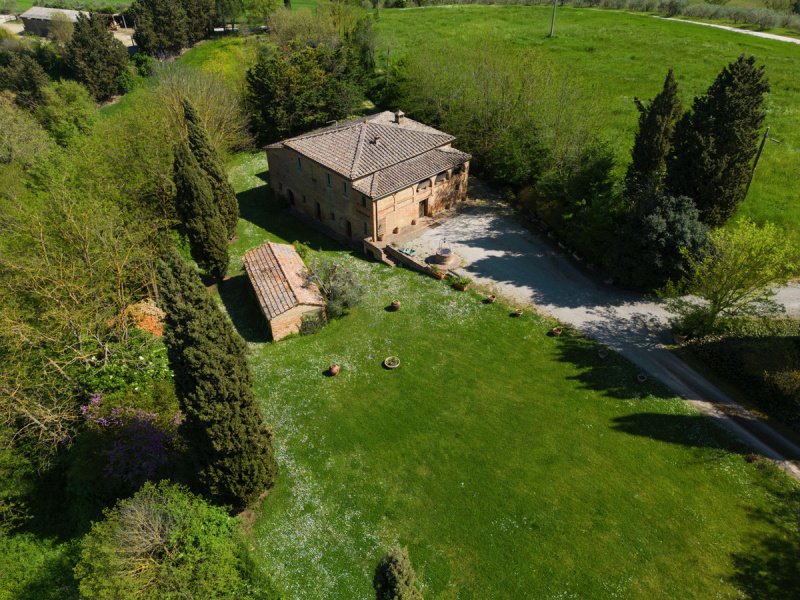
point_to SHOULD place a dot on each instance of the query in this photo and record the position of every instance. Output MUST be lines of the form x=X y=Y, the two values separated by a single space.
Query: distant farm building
x=371 y=180
x=282 y=286
x=37 y=19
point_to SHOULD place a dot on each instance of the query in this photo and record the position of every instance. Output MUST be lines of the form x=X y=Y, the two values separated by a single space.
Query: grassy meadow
x=610 y=57
x=512 y=464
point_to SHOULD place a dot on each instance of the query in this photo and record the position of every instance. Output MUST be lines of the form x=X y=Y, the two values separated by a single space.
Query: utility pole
x=758 y=155
x=553 y=22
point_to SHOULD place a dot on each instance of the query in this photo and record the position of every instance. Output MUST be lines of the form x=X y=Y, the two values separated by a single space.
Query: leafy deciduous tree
x=227 y=437
x=735 y=278
x=66 y=112
x=163 y=542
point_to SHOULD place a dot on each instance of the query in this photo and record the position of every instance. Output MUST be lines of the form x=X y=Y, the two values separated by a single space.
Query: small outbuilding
x=283 y=288
x=37 y=19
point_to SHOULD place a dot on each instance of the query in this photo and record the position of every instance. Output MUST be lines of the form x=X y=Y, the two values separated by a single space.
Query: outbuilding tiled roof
x=360 y=147
x=408 y=172
x=280 y=279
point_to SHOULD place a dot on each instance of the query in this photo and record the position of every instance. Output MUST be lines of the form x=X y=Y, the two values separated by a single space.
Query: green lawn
x=613 y=56
x=512 y=464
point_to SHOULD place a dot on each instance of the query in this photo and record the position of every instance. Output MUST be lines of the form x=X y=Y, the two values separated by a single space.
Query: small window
x=424 y=185
x=344 y=189
x=330 y=181
x=299 y=164
x=363 y=201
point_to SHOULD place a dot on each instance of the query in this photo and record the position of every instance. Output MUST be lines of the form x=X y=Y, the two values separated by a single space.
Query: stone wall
x=290 y=321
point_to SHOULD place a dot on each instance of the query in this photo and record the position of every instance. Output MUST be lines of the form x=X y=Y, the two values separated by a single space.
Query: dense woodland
x=106 y=222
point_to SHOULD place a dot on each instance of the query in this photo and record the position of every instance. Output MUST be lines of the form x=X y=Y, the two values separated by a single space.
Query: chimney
x=377 y=140
x=399 y=117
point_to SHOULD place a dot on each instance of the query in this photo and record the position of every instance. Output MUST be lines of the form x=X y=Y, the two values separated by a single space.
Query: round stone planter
x=602 y=353
x=517 y=313
x=334 y=370
x=556 y=331
x=395 y=306
x=641 y=378
x=491 y=299
x=391 y=362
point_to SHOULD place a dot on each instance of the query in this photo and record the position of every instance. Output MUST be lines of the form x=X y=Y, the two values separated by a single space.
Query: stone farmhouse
x=369 y=181
x=37 y=19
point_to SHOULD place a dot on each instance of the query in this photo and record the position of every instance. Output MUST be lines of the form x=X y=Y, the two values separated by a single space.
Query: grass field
x=511 y=463
x=612 y=57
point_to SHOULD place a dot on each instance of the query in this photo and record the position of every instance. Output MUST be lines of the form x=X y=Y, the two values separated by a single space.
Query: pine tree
x=210 y=163
x=96 y=58
x=162 y=27
x=194 y=203
x=653 y=142
x=229 y=442
x=715 y=143
x=199 y=19
x=395 y=578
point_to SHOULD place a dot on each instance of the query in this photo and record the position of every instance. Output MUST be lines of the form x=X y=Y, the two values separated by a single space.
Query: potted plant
x=391 y=362
x=490 y=299
x=641 y=378
x=556 y=331
x=602 y=353
x=334 y=370
x=395 y=305
x=517 y=313
x=437 y=273
x=460 y=283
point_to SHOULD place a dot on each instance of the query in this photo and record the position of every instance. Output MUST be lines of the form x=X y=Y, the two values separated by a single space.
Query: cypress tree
x=95 y=57
x=210 y=163
x=653 y=142
x=229 y=443
x=194 y=203
x=714 y=144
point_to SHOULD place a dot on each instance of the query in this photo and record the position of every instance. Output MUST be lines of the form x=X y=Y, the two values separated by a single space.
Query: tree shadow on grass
x=263 y=209
x=611 y=375
x=770 y=568
x=242 y=305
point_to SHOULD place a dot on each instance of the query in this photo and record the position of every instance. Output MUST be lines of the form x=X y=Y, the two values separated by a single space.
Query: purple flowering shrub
x=138 y=442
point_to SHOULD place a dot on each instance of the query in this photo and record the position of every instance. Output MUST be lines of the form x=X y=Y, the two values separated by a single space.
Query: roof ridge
x=283 y=272
x=359 y=149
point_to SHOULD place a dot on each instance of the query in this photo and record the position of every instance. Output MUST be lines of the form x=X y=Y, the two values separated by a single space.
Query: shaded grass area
x=611 y=57
x=511 y=463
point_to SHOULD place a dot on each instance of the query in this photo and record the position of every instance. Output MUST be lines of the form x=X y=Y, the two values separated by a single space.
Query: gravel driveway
x=500 y=254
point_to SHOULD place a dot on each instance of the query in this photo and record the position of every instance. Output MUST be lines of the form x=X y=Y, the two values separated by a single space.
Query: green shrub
x=162 y=543
x=339 y=284
x=395 y=578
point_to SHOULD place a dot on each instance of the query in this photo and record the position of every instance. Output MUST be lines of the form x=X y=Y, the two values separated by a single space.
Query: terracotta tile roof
x=278 y=276
x=403 y=174
x=360 y=147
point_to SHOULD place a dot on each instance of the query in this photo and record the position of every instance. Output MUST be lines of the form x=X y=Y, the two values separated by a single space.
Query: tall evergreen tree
x=162 y=27
x=229 y=442
x=194 y=203
x=200 y=16
x=95 y=57
x=714 y=144
x=653 y=142
x=210 y=163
